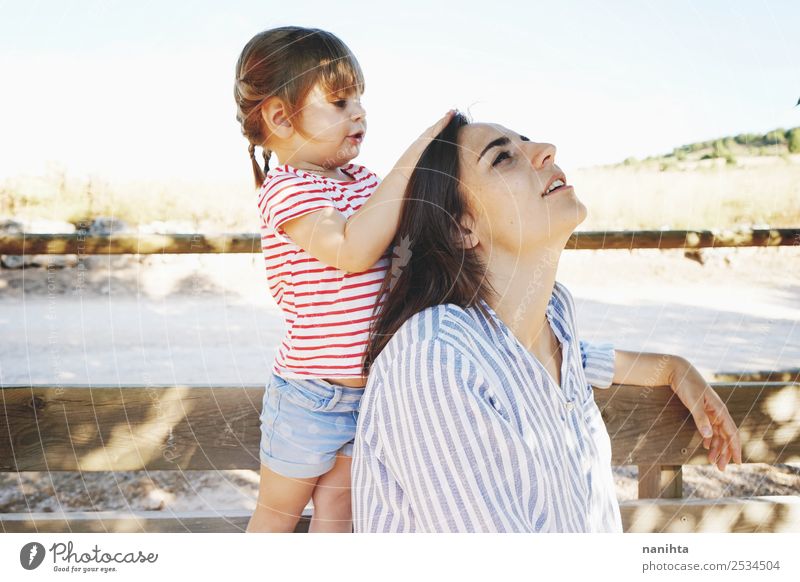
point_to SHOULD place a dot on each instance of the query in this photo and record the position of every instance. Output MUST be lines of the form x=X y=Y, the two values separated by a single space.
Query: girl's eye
x=341 y=103
x=500 y=157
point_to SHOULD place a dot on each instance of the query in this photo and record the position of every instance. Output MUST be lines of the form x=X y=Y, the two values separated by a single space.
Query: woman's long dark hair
x=430 y=266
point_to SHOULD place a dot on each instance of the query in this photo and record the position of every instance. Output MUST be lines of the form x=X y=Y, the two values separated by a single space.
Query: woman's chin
x=582 y=212
x=569 y=216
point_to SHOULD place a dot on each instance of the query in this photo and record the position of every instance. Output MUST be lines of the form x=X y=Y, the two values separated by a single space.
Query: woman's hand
x=710 y=414
x=411 y=156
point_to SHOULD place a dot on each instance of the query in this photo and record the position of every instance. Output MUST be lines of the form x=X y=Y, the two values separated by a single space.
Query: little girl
x=326 y=225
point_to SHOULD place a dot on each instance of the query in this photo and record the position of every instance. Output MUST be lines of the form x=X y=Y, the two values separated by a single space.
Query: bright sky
x=144 y=89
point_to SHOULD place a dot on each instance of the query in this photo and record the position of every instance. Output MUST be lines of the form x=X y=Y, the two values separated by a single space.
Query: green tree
x=793 y=140
x=775 y=137
x=719 y=149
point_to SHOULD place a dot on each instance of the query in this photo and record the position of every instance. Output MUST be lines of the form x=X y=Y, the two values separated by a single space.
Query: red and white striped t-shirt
x=327 y=311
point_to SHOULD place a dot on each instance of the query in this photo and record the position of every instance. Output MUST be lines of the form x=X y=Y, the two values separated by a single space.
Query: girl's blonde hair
x=287 y=62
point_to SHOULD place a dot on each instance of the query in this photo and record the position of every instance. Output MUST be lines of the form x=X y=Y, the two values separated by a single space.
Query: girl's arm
x=356 y=243
x=709 y=412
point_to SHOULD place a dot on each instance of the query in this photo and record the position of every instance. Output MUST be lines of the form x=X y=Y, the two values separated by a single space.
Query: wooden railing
x=138 y=428
x=112 y=428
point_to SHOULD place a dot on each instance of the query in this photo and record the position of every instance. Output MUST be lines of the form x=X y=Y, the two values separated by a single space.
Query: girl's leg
x=281 y=501
x=332 y=509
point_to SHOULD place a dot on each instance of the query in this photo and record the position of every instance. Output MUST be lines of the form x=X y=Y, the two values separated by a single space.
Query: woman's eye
x=500 y=157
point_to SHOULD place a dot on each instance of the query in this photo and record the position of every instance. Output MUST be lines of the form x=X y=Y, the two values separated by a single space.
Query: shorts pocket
x=302 y=398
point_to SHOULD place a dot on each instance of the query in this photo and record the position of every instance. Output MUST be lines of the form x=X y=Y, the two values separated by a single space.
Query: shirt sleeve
x=598 y=363
x=287 y=196
x=458 y=459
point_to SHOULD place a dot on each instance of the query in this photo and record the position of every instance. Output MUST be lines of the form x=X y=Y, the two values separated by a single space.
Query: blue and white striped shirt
x=462 y=429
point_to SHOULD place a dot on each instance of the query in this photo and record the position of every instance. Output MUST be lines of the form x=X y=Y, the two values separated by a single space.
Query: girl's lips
x=357 y=138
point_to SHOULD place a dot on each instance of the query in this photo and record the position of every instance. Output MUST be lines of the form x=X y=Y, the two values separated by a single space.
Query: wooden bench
x=109 y=428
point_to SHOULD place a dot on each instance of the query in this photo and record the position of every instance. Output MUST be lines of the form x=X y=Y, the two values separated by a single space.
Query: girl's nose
x=542 y=154
x=358 y=112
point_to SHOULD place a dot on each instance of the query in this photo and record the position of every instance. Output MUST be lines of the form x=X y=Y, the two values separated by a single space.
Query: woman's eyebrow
x=494 y=143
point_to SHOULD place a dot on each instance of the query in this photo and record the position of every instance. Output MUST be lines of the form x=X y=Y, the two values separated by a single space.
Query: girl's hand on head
x=413 y=153
x=437 y=127
x=709 y=413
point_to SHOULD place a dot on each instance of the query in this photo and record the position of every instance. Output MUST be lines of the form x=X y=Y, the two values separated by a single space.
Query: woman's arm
x=356 y=243
x=458 y=460
x=710 y=414
x=644 y=368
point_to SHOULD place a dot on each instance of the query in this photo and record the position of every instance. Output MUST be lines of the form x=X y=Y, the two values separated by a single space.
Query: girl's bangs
x=341 y=75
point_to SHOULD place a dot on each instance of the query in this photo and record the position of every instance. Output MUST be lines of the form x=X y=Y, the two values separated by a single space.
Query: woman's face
x=505 y=178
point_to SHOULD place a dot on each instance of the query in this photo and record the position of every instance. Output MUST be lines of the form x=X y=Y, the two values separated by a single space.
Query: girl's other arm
x=356 y=243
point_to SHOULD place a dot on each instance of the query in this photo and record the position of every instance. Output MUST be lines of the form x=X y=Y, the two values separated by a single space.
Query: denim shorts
x=305 y=423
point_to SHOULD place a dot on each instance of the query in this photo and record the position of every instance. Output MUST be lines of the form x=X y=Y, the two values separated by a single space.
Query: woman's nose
x=542 y=154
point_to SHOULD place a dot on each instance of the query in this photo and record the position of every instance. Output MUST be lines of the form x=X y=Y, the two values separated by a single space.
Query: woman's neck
x=524 y=286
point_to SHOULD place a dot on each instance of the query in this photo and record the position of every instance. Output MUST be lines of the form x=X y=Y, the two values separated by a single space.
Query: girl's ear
x=276 y=118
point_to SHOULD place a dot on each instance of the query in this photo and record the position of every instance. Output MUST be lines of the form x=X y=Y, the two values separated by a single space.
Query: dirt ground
x=112 y=318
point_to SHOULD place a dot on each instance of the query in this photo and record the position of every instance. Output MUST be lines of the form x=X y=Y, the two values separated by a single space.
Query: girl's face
x=333 y=127
x=506 y=178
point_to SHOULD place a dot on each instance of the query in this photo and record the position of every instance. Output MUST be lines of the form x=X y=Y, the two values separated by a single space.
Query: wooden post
x=660 y=481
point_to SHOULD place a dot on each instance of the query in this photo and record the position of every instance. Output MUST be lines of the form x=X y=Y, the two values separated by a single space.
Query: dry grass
x=710 y=194
x=204 y=206
x=692 y=196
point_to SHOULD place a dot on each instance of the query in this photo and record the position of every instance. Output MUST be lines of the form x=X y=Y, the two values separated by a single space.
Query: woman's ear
x=469 y=238
x=276 y=118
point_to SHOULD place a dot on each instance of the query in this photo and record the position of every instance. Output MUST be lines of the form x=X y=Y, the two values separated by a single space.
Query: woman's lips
x=559 y=189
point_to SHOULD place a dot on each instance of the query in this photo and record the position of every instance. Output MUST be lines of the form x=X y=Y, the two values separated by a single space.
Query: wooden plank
x=683 y=239
x=650 y=426
x=105 y=428
x=789 y=375
x=769 y=513
x=660 y=481
x=223 y=521
x=124 y=244
x=743 y=515
x=84 y=244
x=108 y=428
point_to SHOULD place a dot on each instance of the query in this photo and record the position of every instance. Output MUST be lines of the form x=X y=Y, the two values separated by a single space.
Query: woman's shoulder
x=438 y=325
x=564 y=298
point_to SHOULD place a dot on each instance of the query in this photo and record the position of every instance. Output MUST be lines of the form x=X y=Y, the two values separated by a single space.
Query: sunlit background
x=124 y=111
x=113 y=93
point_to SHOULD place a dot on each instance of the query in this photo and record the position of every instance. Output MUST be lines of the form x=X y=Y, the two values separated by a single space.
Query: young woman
x=478 y=413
